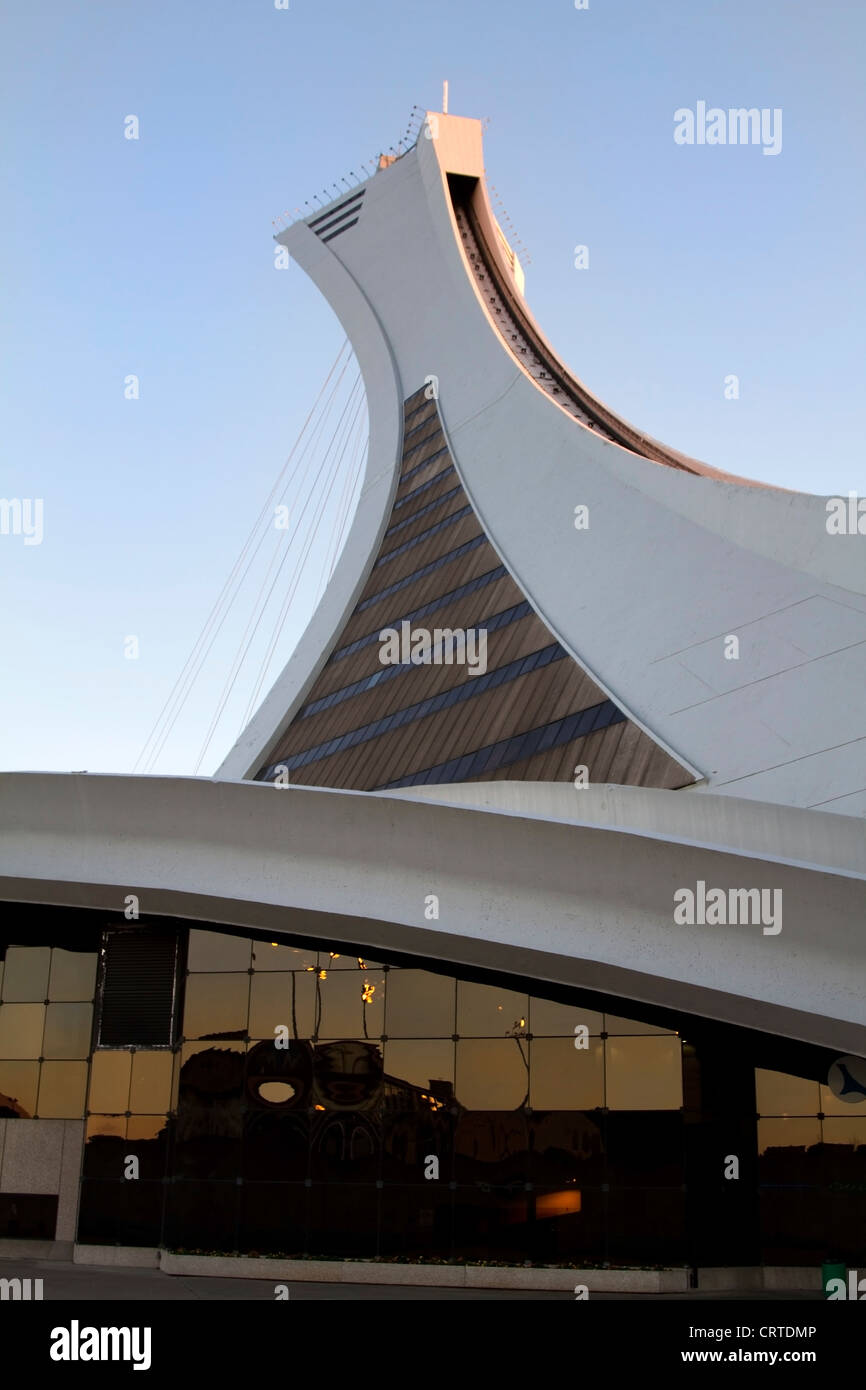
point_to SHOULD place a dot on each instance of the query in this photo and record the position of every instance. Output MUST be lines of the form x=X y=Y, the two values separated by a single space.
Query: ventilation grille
x=138 y=989
x=339 y=218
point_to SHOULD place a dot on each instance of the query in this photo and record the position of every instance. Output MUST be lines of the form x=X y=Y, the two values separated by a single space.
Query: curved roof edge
x=571 y=904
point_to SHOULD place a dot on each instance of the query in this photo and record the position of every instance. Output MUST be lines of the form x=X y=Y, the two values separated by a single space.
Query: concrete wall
x=582 y=904
x=44 y=1156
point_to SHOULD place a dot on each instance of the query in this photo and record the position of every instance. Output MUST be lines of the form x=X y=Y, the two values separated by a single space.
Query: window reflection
x=835 y=1105
x=272 y=955
x=492 y=1073
x=419 y=1005
x=549 y=1019
x=564 y=1077
x=109 y=1082
x=210 y=950
x=428 y=1065
x=625 y=1027
x=350 y=1004
x=283 y=1000
x=644 y=1073
x=798 y=1133
x=216 y=1006
x=545 y=1151
x=485 y=1011
x=62 y=1088
x=25 y=979
x=67 y=1030
x=21 y=1028
x=73 y=975
x=19 y=1083
x=150 y=1090
x=777 y=1093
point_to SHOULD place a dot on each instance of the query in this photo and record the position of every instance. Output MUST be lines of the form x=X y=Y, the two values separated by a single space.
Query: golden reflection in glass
x=21 y=1028
x=287 y=999
x=343 y=1012
x=846 y=1129
x=835 y=1105
x=145 y=1126
x=73 y=975
x=267 y=956
x=777 y=1093
x=337 y=959
x=211 y=950
x=629 y=1027
x=19 y=1083
x=192 y=1049
x=217 y=1003
x=491 y=1073
x=486 y=1011
x=420 y=1063
x=109 y=1082
x=62 y=1090
x=419 y=1004
x=798 y=1132
x=564 y=1077
x=643 y=1073
x=150 y=1090
x=25 y=979
x=550 y=1020
x=67 y=1030
x=100 y=1126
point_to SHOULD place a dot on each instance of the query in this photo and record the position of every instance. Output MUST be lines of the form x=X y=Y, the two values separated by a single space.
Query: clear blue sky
x=155 y=257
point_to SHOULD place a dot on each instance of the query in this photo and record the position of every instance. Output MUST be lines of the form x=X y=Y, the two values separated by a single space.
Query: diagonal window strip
x=456 y=695
x=424 y=570
x=423 y=464
x=422 y=511
x=434 y=434
x=386 y=673
x=513 y=750
x=332 y=211
x=415 y=428
x=424 y=535
x=483 y=579
x=431 y=482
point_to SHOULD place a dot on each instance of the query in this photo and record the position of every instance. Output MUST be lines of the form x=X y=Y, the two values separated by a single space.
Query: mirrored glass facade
x=317 y=1102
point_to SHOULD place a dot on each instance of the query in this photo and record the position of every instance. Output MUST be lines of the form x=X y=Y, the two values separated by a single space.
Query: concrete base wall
x=36 y=1249
x=44 y=1157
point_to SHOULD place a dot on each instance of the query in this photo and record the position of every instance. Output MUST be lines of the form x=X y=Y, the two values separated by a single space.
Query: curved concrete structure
x=676 y=559
x=587 y=904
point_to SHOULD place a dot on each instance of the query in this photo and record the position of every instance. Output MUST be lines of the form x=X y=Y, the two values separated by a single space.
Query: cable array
x=306 y=512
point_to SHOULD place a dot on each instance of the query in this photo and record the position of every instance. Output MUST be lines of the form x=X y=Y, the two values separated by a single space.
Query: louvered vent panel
x=138 y=989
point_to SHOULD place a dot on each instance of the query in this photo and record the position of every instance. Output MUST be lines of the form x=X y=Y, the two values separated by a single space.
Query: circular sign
x=847 y=1080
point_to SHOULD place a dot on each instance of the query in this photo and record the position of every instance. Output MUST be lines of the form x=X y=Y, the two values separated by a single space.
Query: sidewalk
x=64 y=1281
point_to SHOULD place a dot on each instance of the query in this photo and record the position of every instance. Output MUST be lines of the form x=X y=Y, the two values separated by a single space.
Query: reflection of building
x=580 y=1064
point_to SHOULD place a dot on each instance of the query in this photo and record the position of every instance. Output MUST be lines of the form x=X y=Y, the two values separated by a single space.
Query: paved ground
x=64 y=1281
